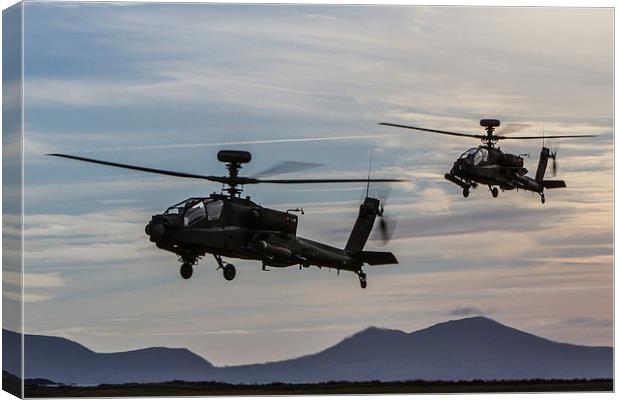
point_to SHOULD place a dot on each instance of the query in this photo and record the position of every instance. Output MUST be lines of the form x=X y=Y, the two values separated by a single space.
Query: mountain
x=62 y=360
x=471 y=348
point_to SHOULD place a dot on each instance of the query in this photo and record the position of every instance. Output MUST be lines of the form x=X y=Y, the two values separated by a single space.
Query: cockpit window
x=195 y=209
x=179 y=208
x=174 y=210
x=469 y=152
x=214 y=210
x=476 y=154
x=195 y=213
x=480 y=156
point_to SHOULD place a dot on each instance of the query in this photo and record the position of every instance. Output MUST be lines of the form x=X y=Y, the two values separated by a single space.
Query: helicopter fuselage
x=490 y=166
x=237 y=227
x=226 y=225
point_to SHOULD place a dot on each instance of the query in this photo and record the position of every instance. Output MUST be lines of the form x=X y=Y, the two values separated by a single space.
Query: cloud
x=373 y=60
x=466 y=311
x=63 y=241
x=452 y=222
x=30 y=287
x=587 y=322
x=219 y=144
x=32 y=280
x=26 y=298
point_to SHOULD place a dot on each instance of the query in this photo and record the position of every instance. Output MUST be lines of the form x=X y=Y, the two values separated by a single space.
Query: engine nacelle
x=254 y=215
x=511 y=160
x=271 y=220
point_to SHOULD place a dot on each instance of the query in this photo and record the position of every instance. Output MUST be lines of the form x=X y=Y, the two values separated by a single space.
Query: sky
x=168 y=85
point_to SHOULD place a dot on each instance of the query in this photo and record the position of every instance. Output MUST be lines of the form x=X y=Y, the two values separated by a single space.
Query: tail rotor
x=387 y=224
x=554 y=156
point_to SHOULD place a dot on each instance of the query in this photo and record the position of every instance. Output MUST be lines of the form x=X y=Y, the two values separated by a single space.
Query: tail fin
x=553 y=184
x=378 y=258
x=542 y=165
x=363 y=225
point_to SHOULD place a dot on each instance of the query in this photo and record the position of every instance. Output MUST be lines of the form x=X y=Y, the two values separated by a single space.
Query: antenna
x=368 y=181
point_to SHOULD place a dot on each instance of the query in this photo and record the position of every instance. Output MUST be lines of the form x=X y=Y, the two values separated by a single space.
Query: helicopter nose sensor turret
x=155 y=230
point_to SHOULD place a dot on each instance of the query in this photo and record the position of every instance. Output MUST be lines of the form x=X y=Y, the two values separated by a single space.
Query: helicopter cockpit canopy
x=179 y=208
x=195 y=209
x=476 y=155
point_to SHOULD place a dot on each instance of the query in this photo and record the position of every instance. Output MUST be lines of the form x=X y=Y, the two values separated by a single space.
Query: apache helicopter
x=488 y=165
x=227 y=225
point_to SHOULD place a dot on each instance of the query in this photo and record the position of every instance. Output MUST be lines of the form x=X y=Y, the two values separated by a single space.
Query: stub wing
x=378 y=258
x=548 y=184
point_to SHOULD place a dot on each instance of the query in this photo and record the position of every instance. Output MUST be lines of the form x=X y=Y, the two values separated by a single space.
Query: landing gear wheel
x=363 y=282
x=466 y=191
x=229 y=272
x=186 y=270
x=542 y=198
x=494 y=192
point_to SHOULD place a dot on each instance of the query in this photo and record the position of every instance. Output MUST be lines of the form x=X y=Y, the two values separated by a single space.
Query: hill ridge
x=462 y=349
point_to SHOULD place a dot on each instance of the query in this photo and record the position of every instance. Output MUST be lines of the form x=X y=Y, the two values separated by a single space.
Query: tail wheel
x=494 y=192
x=186 y=270
x=466 y=191
x=363 y=282
x=229 y=272
x=542 y=198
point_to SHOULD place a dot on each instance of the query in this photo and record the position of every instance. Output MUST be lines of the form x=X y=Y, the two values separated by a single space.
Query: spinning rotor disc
x=233 y=159
x=490 y=138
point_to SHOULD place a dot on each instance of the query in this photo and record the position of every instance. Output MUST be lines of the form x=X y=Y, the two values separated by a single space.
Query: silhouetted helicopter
x=490 y=166
x=226 y=225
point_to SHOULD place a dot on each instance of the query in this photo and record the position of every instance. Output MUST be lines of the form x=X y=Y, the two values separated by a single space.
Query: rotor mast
x=489 y=126
x=233 y=159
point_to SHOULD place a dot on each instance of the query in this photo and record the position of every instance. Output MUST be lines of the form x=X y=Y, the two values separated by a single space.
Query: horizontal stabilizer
x=553 y=184
x=378 y=257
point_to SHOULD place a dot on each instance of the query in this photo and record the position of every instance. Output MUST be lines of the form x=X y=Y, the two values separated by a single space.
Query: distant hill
x=11 y=384
x=62 y=360
x=471 y=348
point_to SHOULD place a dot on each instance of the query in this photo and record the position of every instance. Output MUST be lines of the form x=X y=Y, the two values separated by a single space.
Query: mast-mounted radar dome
x=234 y=156
x=493 y=123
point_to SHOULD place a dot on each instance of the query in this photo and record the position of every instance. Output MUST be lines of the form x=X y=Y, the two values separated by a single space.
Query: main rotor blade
x=133 y=167
x=543 y=137
x=286 y=167
x=511 y=128
x=294 y=181
x=433 y=130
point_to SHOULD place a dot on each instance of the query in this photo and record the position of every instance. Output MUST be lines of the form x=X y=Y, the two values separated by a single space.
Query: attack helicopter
x=489 y=165
x=226 y=225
